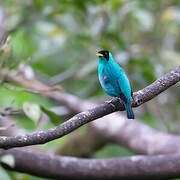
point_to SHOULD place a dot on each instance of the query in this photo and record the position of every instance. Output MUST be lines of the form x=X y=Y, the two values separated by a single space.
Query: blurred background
x=59 y=40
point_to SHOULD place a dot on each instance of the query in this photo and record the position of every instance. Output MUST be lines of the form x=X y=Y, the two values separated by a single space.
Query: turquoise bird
x=114 y=80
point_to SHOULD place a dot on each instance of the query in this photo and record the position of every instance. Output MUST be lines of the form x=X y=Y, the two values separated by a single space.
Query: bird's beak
x=99 y=54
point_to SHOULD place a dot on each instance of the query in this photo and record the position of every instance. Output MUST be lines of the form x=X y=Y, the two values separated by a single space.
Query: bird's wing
x=124 y=87
x=121 y=94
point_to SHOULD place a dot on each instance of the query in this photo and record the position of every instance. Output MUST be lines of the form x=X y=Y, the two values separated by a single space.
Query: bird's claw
x=110 y=103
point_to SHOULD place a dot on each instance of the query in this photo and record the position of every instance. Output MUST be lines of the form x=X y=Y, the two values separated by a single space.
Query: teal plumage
x=114 y=81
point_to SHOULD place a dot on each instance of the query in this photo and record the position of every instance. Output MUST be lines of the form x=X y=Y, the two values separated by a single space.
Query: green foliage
x=113 y=150
x=53 y=117
x=4 y=174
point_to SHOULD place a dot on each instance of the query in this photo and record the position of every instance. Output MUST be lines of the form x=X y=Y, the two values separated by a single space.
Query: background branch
x=67 y=168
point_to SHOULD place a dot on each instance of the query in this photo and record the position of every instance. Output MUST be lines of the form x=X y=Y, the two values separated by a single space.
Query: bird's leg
x=132 y=97
x=110 y=103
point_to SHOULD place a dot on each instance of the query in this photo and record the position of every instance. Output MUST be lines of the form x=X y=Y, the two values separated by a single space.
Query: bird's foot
x=110 y=103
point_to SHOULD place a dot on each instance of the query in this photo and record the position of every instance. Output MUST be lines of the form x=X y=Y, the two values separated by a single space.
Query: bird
x=114 y=80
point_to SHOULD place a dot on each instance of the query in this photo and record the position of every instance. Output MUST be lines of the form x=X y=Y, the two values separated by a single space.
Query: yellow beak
x=99 y=54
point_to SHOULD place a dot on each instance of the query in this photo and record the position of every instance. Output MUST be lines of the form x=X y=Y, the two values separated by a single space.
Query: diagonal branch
x=82 y=118
x=69 y=168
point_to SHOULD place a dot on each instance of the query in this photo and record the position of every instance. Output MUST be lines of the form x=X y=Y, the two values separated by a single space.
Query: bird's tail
x=129 y=111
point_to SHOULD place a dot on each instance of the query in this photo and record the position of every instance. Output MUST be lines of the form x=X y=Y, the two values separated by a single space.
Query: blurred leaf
x=113 y=150
x=167 y=15
x=53 y=117
x=3 y=174
x=116 y=4
x=152 y=120
x=172 y=13
x=9 y=160
x=87 y=69
x=145 y=19
x=32 y=111
x=56 y=31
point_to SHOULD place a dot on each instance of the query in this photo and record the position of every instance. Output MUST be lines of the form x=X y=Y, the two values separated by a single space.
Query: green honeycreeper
x=114 y=80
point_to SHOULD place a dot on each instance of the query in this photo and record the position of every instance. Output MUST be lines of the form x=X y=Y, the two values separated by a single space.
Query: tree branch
x=67 y=168
x=82 y=118
x=136 y=136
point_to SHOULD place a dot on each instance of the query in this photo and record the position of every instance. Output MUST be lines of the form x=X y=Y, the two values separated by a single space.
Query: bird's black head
x=104 y=53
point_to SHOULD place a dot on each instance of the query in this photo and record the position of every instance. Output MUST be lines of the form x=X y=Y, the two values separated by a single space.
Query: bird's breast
x=106 y=81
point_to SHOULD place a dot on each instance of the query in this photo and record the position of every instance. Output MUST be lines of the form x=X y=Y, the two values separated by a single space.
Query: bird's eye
x=105 y=54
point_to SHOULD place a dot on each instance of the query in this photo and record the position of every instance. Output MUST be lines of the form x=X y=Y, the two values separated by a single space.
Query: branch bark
x=67 y=168
x=82 y=118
